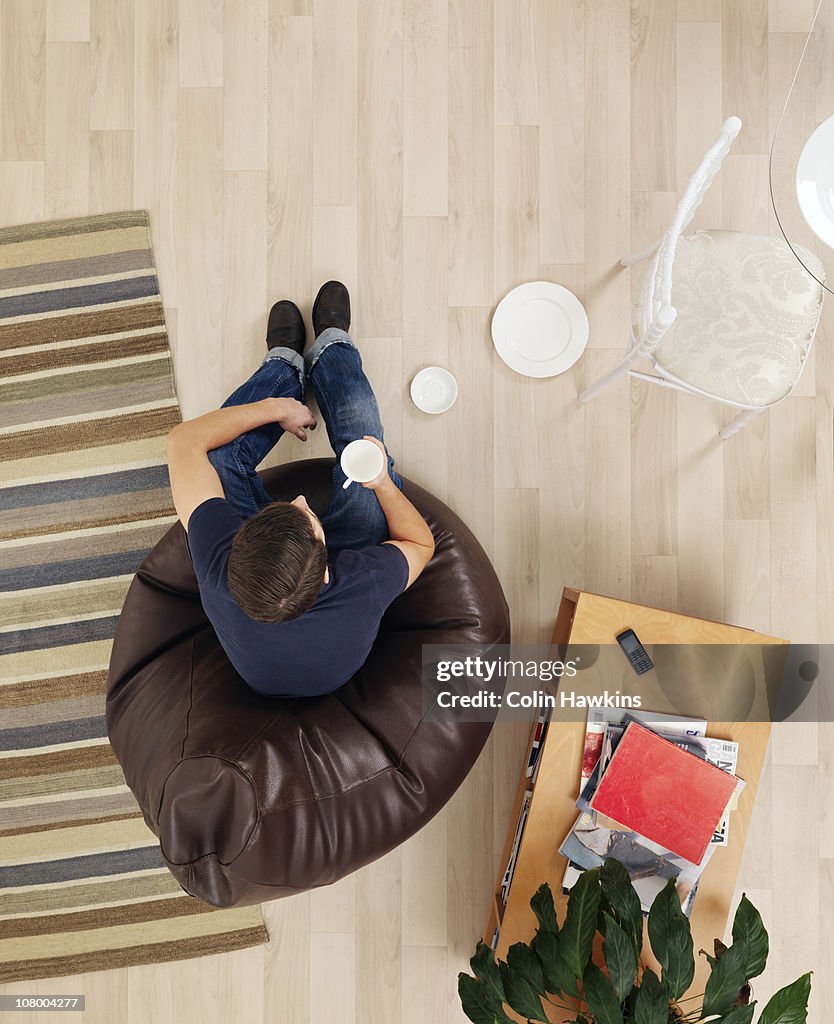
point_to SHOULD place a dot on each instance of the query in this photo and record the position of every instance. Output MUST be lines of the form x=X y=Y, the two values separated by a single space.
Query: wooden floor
x=433 y=155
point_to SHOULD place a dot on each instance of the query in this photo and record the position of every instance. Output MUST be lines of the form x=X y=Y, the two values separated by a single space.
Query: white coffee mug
x=361 y=461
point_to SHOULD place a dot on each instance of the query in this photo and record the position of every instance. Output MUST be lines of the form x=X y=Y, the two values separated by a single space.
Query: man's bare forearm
x=404 y=521
x=219 y=427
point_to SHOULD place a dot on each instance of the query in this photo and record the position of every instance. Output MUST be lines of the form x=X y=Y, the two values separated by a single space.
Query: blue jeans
x=349 y=409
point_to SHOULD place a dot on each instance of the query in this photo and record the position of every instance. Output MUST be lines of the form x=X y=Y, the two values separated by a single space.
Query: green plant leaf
x=576 y=939
x=620 y=957
x=652 y=1003
x=628 y=1006
x=523 y=961
x=558 y=976
x=748 y=925
x=478 y=1006
x=740 y=1015
x=486 y=970
x=623 y=899
x=671 y=940
x=790 y=1004
x=542 y=906
x=600 y=997
x=603 y=909
x=521 y=994
x=725 y=981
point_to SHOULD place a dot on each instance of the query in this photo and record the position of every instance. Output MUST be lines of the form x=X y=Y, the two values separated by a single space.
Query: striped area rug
x=87 y=398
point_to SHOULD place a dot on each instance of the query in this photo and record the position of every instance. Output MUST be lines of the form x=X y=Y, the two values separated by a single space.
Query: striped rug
x=87 y=398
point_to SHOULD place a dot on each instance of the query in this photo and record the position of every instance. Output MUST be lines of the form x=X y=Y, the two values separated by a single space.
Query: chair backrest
x=658 y=312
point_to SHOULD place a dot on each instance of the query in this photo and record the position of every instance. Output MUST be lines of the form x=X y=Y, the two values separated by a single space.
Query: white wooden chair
x=723 y=314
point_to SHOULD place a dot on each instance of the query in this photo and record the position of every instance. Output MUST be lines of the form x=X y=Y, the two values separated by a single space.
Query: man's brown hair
x=276 y=565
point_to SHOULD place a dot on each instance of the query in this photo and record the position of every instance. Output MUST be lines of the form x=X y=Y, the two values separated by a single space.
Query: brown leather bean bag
x=254 y=797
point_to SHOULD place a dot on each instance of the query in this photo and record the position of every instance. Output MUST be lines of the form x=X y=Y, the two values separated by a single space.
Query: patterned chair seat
x=747 y=311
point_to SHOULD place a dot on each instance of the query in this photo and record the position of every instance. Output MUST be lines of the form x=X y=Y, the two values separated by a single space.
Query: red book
x=663 y=792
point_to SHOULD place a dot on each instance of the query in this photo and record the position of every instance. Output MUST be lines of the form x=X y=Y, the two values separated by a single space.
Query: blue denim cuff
x=289 y=355
x=329 y=336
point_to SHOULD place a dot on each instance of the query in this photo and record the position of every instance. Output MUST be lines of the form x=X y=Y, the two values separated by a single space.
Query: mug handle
x=347 y=484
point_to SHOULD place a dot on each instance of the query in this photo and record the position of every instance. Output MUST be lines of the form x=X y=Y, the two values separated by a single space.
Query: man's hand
x=383 y=476
x=406 y=527
x=193 y=477
x=293 y=416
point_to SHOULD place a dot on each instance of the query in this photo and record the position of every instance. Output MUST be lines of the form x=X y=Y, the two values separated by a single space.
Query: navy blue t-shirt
x=321 y=649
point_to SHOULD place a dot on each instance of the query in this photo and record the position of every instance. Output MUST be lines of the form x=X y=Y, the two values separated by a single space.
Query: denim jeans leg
x=350 y=411
x=280 y=375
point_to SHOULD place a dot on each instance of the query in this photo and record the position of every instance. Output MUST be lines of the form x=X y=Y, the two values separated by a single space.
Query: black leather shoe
x=285 y=327
x=331 y=308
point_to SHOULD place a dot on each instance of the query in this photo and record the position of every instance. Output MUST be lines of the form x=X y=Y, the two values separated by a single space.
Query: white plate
x=815 y=181
x=540 y=329
x=434 y=390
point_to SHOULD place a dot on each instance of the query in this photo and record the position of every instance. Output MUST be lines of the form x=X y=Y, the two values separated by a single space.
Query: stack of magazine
x=651 y=787
x=507 y=880
x=531 y=773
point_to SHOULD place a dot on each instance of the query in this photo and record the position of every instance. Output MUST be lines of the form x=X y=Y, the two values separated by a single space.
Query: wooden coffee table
x=585 y=618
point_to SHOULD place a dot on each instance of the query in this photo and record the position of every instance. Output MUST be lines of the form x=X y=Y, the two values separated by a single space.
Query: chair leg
x=738 y=422
x=638 y=257
x=619 y=371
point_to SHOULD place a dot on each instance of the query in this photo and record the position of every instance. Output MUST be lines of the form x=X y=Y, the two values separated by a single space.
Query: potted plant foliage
x=557 y=967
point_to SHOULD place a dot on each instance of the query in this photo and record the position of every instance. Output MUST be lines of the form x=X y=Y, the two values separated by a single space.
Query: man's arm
x=406 y=527
x=193 y=478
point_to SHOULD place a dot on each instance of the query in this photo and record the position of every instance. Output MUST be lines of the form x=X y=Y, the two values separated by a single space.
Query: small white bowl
x=434 y=390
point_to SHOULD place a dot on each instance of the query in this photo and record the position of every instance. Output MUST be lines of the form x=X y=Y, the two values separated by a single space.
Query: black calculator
x=635 y=652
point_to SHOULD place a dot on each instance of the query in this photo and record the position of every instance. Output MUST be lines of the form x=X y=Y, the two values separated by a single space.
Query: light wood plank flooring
x=433 y=154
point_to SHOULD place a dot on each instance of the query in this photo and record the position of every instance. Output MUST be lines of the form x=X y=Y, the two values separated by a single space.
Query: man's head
x=278 y=561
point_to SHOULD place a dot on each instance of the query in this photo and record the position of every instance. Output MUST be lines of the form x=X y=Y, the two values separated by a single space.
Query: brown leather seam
x=333 y=796
x=212 y=853
x=260 y=732
x=190 y=700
